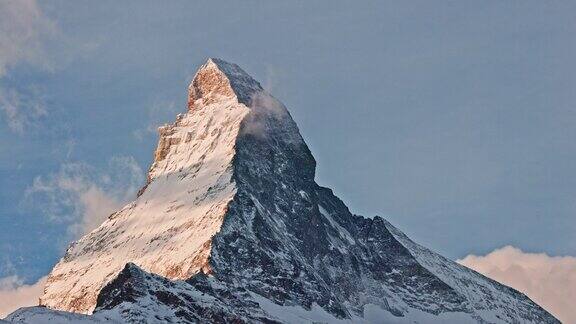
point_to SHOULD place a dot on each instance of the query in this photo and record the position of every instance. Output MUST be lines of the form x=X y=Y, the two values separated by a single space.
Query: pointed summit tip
x=216 y=79
x=226 y=67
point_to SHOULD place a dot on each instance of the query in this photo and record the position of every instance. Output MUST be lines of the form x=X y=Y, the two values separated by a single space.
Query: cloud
x=21 y=110
x=80 y=196
x=264 y=109
x=14 y=294
x=24 y=29
x=83 y=196
x=548 y=280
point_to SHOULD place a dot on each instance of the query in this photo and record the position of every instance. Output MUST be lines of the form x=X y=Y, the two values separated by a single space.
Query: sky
x=455 y=120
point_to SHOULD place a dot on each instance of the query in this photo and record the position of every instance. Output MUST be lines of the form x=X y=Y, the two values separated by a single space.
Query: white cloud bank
x=549 y=281
x=14 y=294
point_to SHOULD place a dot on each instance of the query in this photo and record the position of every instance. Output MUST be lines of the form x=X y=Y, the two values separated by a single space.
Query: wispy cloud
x=548 y=280
x=21 y=110
x=15 y=294
x=24 y=29
x=264 y=107
x=83 y=196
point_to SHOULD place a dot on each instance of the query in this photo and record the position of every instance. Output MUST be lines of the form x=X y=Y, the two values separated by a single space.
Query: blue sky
x=453 y=119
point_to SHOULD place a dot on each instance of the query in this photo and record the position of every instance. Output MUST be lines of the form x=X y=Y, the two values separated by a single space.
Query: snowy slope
x=231 y=226
x=41 y=315
x=487 y=298
x=167 y=230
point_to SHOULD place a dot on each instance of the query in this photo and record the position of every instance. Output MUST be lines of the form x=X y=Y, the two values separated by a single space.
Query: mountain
x=232 y=227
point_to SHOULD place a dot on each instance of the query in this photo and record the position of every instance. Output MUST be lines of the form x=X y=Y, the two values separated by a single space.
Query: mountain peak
x=232 y=227
x=216 y=79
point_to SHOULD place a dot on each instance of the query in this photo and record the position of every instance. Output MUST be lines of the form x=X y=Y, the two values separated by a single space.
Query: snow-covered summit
x=167 y=230
x=232 y=227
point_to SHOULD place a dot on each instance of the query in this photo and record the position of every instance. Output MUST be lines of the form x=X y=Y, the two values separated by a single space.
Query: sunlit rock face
x=232 y=227
x=218 y=79
x=168 y=229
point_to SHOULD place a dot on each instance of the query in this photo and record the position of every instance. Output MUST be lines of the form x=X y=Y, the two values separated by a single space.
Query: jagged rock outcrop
x=232 y=227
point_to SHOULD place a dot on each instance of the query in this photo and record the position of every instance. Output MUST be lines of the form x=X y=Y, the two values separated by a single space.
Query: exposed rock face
x=217 y=79
x=232 y=227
